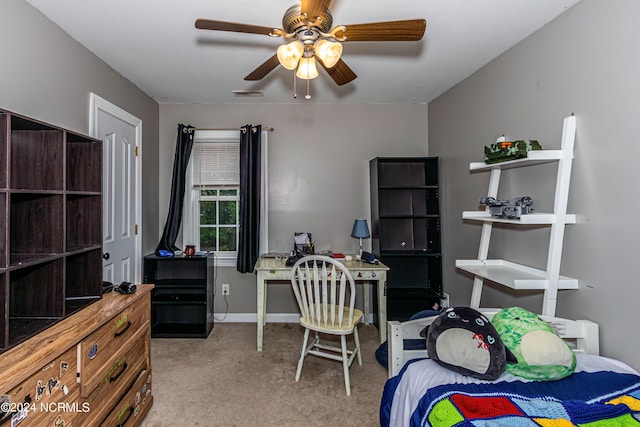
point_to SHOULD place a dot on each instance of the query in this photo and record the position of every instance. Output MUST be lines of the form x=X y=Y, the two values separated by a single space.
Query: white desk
x=271 y=269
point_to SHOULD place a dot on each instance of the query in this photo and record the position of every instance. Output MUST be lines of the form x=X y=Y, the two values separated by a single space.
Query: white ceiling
x=156 y=46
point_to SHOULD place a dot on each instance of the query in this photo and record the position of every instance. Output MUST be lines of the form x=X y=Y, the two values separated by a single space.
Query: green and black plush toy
x=541 y=353
x=462 y=339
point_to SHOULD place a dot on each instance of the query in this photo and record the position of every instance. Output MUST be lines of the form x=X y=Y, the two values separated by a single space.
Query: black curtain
x=250 y=194
x=184 y=143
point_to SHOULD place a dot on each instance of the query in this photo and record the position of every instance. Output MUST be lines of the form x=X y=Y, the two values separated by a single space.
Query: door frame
x=97 y=106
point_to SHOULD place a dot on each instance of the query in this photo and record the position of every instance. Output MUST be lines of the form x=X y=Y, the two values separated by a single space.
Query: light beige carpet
x=224 y=381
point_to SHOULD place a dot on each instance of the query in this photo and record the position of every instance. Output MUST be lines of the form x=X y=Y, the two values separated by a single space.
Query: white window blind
x=216 y=164
x=211 y=165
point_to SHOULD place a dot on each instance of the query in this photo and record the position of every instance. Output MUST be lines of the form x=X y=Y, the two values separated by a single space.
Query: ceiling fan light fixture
x=304 y=27
x=307 y=69
x=328 y=52
x=289 y=54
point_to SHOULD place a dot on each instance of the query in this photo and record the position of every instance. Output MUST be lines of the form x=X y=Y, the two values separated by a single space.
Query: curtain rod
x=268 y=129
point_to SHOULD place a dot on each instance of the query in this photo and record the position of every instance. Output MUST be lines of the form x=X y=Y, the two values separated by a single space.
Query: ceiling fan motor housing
x=293 y=20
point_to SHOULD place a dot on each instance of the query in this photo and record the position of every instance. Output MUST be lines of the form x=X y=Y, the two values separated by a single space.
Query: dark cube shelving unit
x=50 y=225
x=182 y=299
x=405 y=217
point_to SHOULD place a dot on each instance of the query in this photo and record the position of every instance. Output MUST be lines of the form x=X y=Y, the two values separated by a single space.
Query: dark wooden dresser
x=92 y=368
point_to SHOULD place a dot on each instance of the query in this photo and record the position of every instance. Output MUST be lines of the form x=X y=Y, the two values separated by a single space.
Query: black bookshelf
x=405 y=217
x=182 y=299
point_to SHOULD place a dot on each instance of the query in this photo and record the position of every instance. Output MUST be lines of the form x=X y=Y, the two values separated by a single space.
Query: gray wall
x=585 y=62
x=47 y=75
x=318 y=173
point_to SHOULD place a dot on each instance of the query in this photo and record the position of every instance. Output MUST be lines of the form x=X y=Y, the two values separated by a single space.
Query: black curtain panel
x=250 y=194
x=184 y=143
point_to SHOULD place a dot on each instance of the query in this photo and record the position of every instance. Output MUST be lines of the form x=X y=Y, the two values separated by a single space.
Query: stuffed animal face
x=463 y=340
x=541 y=353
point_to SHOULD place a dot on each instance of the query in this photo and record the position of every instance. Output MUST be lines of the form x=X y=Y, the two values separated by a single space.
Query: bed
x=420 y=392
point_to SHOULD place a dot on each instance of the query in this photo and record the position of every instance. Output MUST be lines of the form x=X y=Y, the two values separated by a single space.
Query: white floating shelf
x=512 y=275
x=533 y=157
x=532 y=218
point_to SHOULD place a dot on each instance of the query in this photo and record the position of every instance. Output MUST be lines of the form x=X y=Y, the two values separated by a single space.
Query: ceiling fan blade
x=340 y=73
x=209 y=24
x=314 y=8
x=392 y=31
x=264 y=69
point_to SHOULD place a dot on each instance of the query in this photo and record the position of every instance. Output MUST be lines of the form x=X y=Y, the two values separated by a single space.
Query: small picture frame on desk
x=303 y=243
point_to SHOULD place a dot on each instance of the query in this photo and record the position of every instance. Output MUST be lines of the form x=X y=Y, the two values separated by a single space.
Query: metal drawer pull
x=4 y=417
x=117 y=334
x=126 y=419
x=115 y=377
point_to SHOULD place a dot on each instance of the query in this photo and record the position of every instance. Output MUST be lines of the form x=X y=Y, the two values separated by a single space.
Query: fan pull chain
x=295 y=94
x=307 y=96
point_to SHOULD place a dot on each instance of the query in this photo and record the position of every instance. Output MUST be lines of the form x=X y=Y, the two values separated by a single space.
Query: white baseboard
x=253 y=318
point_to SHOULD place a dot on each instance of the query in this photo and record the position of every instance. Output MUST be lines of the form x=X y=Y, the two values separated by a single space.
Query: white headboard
x=582 y=335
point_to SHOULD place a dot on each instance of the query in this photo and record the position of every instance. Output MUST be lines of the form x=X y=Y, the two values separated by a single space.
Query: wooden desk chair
x=325 y=292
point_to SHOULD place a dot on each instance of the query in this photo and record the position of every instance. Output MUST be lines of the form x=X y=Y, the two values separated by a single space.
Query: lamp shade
x=360 y=229
x=328 y=52
x=289 y=54
x=307 y=69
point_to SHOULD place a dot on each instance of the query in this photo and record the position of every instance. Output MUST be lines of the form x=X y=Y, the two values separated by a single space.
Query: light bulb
x=289 y=54
x=328 y=52
x=307 y=69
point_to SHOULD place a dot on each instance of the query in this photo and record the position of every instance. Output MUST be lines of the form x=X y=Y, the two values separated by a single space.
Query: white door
x=120 y=133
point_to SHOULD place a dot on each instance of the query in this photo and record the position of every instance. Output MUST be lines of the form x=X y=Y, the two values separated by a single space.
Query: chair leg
x=356 y=339
x=345 y=364
x=303 y=353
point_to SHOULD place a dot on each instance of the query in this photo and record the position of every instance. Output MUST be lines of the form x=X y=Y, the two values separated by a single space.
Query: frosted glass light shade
x=289 y=54
x=328 y=52
x=307 y=69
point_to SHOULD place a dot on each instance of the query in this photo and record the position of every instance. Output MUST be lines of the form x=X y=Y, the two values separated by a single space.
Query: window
x=212 y=205
x=218 y=215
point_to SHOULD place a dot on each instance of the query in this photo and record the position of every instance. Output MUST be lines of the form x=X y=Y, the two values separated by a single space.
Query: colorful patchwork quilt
x=584 y=399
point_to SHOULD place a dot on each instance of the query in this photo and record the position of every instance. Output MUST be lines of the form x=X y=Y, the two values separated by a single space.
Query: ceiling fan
x=308 y=26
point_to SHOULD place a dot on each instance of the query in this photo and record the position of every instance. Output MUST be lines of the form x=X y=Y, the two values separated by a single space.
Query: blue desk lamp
x=360 y=231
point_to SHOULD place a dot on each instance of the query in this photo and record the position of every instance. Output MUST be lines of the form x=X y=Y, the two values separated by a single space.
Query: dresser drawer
x=63 y=416
x=134 y=405
x=106 y=345
x=116 y=380
x=49 y=394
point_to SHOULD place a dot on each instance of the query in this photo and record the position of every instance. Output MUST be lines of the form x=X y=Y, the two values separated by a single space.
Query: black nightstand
x=182 y=300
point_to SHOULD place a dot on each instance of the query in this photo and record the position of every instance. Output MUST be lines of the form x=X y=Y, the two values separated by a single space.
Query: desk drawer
x=134 y=405
x=367 y=274
x=51 y=392
x=107 y=344
x=285 y=275
x=276 y=274
x=116 y=380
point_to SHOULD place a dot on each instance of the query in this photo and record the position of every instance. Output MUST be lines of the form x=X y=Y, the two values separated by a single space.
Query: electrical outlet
x=225 y=289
